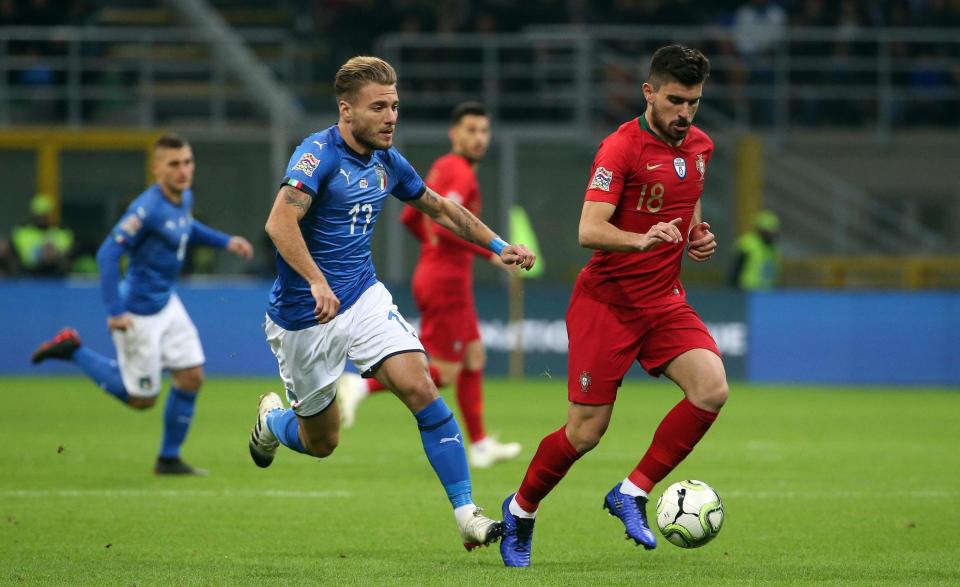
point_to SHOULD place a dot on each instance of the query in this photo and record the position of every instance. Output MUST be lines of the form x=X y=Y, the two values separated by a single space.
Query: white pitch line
x=838 y=494
x=176 y=493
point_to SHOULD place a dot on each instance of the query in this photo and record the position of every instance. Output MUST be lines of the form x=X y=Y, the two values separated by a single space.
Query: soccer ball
x=689 y=513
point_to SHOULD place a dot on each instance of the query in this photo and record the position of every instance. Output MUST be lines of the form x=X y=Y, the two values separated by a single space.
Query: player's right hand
x=518 y=255
x=497 y=262
x=121 y=322
x=327 y=302
x=660 y=233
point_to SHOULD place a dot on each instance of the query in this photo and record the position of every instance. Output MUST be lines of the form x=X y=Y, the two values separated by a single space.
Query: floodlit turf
x=830 y=486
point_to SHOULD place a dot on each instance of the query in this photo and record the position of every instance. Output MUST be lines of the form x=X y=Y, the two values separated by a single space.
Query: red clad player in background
x=641 y=209
x=443 y=290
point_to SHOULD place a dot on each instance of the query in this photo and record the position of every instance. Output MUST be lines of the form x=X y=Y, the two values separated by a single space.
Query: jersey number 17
x=356 y=210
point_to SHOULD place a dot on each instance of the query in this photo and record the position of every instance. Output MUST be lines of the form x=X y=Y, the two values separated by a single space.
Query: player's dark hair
x=467 y=109
x=170 y=141
x=359 y=71
x=678 y=63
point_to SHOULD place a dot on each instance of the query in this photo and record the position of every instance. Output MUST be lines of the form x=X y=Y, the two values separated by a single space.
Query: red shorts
x=448 y=320
x=606 y=339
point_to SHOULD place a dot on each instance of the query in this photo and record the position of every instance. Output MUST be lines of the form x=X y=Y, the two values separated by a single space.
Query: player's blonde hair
x=359 y=71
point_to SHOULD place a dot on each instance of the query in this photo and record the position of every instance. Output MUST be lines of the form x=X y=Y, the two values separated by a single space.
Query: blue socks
x=104 y=372
x=177 y=416
x=286 y=427
x=443 y=444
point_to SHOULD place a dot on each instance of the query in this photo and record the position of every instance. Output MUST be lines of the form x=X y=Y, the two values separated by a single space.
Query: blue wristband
x=497 y=245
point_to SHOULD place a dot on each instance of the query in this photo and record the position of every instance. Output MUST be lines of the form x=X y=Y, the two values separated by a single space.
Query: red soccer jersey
x=648 y=181
x=443 y=253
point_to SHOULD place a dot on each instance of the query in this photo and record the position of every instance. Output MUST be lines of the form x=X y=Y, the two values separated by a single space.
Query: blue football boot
x=517 y=538
x=632 y=511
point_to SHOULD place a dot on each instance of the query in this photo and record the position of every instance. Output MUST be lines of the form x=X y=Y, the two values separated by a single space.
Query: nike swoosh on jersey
x=652 y=167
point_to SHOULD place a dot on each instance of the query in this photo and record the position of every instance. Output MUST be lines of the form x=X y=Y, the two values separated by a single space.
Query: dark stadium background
x=842 y=117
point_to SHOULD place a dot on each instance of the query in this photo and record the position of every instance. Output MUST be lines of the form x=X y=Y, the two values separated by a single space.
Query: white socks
x=628 y=488
x=518 y=511
x=464 y=513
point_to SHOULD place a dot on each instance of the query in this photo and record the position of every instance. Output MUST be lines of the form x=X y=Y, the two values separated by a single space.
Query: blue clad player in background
x=327 y=305
x=150 y=327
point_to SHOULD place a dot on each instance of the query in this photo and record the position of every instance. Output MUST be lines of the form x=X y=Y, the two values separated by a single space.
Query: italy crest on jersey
x=381 y=176
x=681 y=166
x=701 y=165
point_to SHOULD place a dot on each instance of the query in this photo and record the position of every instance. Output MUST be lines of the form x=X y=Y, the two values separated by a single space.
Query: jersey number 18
x=655 y=201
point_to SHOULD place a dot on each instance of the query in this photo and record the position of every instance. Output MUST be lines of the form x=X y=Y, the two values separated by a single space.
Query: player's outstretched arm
x=596 y=231
x=464 y=224
x=240 y=247
x=282 y=226
x=201 y=234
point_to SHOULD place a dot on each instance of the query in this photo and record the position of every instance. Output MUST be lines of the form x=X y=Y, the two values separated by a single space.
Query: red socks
x=470 y=399
x=679 y=431
x=373 y=386
x=554 y=457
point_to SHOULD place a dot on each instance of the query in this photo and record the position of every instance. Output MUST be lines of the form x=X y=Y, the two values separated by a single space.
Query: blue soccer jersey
x=348 y=191
x=154 y=232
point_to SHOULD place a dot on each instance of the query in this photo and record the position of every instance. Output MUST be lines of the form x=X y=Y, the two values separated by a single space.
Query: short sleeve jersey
x=649 y=181
x=348 y=191
x=452 y=177
x=155 y=233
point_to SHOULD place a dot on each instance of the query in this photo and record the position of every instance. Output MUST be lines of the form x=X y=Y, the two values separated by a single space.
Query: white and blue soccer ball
x=689 y=514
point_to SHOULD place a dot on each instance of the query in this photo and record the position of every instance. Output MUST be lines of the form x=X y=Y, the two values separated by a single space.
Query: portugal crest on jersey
x=381 y=176
x=701 y=165
x=681 y=166
x=585 y=381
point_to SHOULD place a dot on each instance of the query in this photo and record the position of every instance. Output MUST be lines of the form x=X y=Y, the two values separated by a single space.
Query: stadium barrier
x=788 y=336
x=862 y=337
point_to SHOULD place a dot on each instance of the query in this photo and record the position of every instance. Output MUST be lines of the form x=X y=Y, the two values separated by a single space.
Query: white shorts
x=311 y=360
x=165 y=340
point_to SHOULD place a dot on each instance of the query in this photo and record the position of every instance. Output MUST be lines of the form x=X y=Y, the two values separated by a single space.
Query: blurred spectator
x=756 y=263
x=41 y=248
x=8 y=261
x=758 y=28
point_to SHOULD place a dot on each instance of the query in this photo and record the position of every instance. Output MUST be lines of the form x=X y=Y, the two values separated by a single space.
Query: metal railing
x=144 y=77
x=877 y=78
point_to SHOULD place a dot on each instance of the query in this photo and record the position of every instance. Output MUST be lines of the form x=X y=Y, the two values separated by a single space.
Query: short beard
x=665 y=130
x=366 y=141
x=470 y=160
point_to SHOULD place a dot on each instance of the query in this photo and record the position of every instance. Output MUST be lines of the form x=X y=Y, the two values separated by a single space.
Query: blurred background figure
x=756 y=260
x=41 y=248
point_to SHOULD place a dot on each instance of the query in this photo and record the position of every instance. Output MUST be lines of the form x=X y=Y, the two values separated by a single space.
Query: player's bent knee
x=189 y=379
x=141 y=403
x=585 y=438
x=712 y=397
x=419 y=392
x=324 y=447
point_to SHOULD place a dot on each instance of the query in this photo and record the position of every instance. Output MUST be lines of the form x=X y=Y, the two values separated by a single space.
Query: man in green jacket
x=41 y=247
x=756 y=264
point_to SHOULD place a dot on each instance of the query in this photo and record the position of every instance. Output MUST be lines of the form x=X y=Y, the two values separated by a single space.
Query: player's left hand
x=703 y=243
x=240 y=247
x=518 y=255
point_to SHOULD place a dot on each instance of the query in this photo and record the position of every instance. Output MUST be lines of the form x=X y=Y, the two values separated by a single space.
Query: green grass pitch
x=820 y=485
